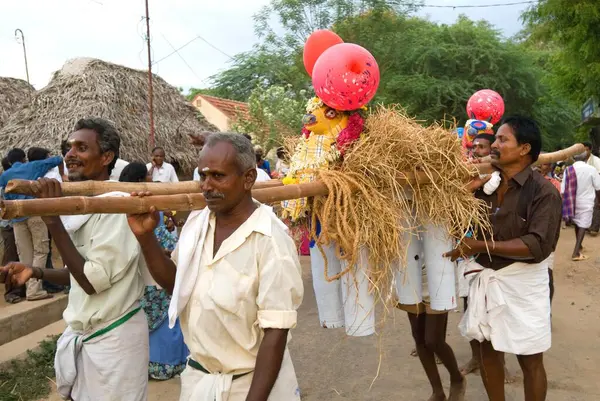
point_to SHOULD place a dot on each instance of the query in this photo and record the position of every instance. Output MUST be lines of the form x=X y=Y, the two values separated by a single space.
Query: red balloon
x=316 y=44
x=486 y=105
x=346 y=77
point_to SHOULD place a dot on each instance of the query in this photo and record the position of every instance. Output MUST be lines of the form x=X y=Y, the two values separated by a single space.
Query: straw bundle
x=13 y=94
x=371 y=204
x=90 y=87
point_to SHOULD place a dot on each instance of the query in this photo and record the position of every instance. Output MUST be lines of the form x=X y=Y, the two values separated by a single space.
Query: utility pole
x=150 y=92
x=17 y=31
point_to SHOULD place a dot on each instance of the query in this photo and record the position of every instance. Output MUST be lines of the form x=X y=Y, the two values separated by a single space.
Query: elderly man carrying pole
x=236 y=283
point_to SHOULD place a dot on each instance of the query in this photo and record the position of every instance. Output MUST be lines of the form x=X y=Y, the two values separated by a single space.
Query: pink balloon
x=486 y=105
x=346 y=77
x=315 y=45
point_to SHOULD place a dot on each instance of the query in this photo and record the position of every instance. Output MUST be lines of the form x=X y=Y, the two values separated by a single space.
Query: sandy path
x=331 y=366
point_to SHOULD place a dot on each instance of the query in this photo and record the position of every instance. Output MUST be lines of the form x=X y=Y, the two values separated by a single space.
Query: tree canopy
x=571 y=29
x=429 y=69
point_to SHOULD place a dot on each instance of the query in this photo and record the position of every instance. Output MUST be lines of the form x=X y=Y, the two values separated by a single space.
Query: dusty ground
x=331 y=366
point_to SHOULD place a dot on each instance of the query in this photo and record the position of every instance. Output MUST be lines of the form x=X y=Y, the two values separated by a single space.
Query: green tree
x=274 y=114
x=571 y=28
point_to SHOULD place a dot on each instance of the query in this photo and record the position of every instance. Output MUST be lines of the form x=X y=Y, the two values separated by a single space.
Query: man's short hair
x=106 y=134
x=65 y=147
x=15 y=155
x=245 y=157
x=588 y=145
x=488 y=137
x=5 y=163
x=156 y=148
x=134 y=172
x=36 y=153
x=526 y=130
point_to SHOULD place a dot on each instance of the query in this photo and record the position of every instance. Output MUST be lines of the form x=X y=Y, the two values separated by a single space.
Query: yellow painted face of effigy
x=323 y=120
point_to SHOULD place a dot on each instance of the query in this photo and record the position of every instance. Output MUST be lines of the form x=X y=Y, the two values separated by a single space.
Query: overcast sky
x=113 y=30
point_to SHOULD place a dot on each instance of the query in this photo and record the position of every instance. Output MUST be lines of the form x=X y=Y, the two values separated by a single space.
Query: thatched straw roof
x=90 y=87
x=13 y=93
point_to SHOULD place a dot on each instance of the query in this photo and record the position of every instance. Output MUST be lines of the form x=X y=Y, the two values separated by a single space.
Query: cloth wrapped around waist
x=109 y=352
x=510 y=308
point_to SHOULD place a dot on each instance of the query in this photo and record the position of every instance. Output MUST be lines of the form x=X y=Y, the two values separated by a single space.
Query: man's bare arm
x=161 y=267
x=268 y=364
x=69 y=254
x=55 y=276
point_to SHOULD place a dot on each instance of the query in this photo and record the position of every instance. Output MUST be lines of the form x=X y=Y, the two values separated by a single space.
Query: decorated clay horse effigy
x=329 y=128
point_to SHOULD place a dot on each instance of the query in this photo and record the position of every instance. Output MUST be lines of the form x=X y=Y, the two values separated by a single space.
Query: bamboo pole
x=94 y=188
x=74 y=205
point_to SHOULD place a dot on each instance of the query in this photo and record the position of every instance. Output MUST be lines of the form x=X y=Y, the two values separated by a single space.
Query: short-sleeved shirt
x=252 y=283
x=164 y=173
x=113 y=260
x=531 y=210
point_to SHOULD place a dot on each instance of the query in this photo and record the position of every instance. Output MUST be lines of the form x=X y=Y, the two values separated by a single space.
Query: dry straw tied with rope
x=371 y=204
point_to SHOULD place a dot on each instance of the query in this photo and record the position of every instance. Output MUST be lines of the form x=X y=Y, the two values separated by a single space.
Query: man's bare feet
x=438 y=397
x=471 y=367
x=458 y=390
x=508 y=378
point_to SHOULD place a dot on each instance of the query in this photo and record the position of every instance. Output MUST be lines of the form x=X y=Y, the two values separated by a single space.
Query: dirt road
x=331 y=366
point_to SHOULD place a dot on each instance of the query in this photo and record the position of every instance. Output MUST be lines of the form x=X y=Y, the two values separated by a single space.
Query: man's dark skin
x=227 y=192
x=510 y=158
x=481 y=148
x=85 y=161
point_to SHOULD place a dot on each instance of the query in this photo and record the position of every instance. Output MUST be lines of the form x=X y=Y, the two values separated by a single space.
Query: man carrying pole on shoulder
x=103 y=353
x=509 y=303
x=236 y=283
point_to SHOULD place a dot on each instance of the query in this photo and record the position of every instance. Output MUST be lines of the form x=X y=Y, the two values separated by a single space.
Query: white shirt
x=261 y=175
x=253 y=282
x=166 y=173
x=116 y=171
x=54 y=173
x=588 y=182
x=281 y=167
x=594 y=162
x=113 y=261
x=196 y=176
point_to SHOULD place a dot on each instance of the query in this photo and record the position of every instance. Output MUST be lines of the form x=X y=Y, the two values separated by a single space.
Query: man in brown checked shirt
x=509 y=305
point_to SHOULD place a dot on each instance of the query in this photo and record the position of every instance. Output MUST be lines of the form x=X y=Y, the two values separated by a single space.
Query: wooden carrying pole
x=181 y=202
x=93 y=188
x=187 y=201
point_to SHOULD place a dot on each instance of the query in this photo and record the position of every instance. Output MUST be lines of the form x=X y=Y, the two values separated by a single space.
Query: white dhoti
x=359 y=302
x=199 y=386
x=327 y=293
x=425 y=250
x=110 y=363
x=467 y=270
x=346 y=302
x=510 y=308
x=584 y=212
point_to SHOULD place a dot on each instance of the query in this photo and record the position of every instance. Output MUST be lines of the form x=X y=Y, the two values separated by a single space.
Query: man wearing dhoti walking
x=509 y=303
x=428 y=316
x=236 y=283
x=103 y=353
x=579 y=188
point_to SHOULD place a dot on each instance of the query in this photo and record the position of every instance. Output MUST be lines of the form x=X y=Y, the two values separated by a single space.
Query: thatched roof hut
x=88 y=87
x=13 y=93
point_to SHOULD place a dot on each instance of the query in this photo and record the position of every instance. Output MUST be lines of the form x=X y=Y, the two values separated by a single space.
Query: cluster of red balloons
x=485 y=105
x=345 y=76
